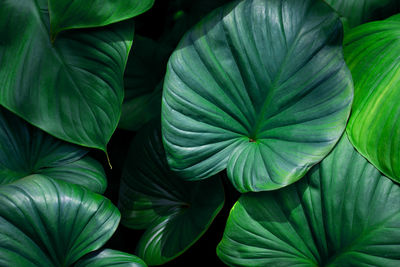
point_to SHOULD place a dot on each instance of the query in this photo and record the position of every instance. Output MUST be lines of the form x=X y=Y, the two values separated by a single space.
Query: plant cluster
x=285 y=111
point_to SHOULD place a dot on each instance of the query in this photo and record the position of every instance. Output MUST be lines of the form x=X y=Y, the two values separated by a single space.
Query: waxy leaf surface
x=343 y=213
x=109 y=257
x=72 y=88
x=372 y=53
x=360 y=11
x=67 y=14
x=47 y=222
x=175 y=213
x=260 y=88
x=26 y=150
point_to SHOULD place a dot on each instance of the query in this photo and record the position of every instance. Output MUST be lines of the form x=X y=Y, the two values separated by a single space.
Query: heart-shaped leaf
x=66 y=14
x=72 y=88
x=343 y=213
x=361 y=11
x=371 y=51
x=175 y=213
x=109 y=257
x=26 y=150
x=47 y=222
x=260 y=88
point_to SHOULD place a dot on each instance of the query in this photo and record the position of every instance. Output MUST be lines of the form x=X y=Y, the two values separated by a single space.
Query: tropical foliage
x=239 y=133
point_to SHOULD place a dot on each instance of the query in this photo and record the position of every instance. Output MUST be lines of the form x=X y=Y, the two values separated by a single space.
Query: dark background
x=203 y=252
x=165 y=23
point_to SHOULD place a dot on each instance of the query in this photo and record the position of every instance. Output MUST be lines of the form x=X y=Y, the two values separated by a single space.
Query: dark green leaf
x=67 y=14
x=72 y=88
x=175 y=213
x=360 y=11
x=108 y=257
x=143 y=77
x=147 y=61
x=26 y=150
x=343 y=213
x=372 y=53
x=260 y=88
x=46 y=222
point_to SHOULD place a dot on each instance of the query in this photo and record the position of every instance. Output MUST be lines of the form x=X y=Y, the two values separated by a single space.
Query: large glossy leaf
x=26 y=150
x=143 y=78
x=66 y=14
x=109 y=257
x=343 y=213
x=71 y=88
x=372 y=50
x=46 y=222
x=361 y=11
x=260 y=88
x=175 y=213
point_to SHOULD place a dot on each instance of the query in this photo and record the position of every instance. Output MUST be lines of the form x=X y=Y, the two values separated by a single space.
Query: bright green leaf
x=67 y=14
x=372 y=51
x=26 y=150
x=260 y=88
x=109 y=257
x=343 y=213
x=72 y=88
x=360 y=11
x=175 y=213
x=47 y=222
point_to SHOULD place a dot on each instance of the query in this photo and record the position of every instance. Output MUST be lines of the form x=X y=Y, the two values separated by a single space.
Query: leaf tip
x=108 y=159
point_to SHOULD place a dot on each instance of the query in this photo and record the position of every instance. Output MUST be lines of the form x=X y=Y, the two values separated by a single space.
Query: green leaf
x=109 y=257
x=148 y=58
x=360 y=11
x=183 y=15
x=143 y=78
x=26 y=150
x=371 y=51
x=175 y=213
x=46 y=222
x=343 y=213
x=260 y=88
x=72 y=88
x=66 y=14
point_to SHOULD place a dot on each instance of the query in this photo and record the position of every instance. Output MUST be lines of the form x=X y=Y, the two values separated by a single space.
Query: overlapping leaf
x=343 y=213
x=26 y=150
x=143 y=78
x=66 y=14
x=372 y=53
x=148 y=58
x=47 y=222
x=260 y=88
x=72 y=88
x=361 y=11
x=109 y=257
x=175 y=213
